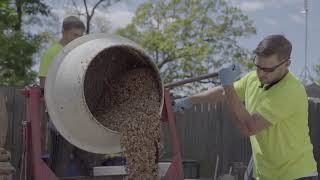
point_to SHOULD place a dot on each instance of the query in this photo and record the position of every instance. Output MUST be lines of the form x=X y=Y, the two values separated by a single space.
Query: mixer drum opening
x=119 y=77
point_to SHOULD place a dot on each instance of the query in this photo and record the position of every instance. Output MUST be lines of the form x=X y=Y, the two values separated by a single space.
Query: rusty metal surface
x=3 y=121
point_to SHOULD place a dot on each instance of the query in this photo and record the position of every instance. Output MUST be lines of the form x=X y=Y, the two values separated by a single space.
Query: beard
x=264 y=80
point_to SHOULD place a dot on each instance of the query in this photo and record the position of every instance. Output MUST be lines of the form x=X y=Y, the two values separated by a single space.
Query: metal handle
x=190 y=80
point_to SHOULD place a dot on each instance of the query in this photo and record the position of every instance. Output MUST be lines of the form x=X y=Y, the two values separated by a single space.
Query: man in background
x=61 y=151
x=72 y=28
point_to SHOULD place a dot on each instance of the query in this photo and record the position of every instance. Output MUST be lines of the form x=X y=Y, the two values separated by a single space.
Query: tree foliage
x=16 y=47
x=29 y=7
x=186 y=38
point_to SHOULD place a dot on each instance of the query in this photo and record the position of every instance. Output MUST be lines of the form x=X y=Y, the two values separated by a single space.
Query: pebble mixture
x=130 y=105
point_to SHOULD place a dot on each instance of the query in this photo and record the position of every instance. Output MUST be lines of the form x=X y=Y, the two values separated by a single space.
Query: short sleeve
x=44 y=65
x=47 y=59
x=240 y=87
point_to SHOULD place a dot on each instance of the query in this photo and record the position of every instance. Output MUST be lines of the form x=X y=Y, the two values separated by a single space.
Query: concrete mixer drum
x=81 y=82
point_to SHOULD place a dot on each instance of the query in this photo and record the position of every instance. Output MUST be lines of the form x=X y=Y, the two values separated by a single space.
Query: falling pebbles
x=128 y=103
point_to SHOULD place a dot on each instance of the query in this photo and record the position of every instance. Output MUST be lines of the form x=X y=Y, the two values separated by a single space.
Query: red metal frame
x=175 y=171
x=36 y=168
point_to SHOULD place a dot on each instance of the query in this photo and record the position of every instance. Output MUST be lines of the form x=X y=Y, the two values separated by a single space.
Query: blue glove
x=181 y=104
x=229 y=73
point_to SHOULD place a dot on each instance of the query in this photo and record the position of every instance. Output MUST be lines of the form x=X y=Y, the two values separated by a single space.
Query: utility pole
x=305 y=73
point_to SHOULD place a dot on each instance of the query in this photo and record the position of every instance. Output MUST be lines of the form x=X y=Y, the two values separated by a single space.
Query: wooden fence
x=207 y=135
x=16 y=109
x=205 y=132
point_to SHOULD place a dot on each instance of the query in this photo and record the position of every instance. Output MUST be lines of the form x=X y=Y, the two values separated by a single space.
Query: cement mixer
x=71 y=102
x=67 y=99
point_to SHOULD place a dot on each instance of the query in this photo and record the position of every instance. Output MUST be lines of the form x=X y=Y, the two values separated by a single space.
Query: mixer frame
x=35 y=168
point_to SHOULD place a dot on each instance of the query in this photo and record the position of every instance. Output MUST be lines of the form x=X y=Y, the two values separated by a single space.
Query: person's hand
x=229 y=73
x=180 y=105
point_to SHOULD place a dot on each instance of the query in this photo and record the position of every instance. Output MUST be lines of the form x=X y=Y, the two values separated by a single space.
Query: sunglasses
x=271 y=69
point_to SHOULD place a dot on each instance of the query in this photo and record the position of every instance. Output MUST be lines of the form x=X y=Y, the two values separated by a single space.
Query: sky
x=269 y=16
x=286 y=17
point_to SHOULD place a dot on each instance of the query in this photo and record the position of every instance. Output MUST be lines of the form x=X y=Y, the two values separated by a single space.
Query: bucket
x=71 y=96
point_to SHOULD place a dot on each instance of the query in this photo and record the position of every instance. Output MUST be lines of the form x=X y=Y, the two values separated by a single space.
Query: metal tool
x=190 y=80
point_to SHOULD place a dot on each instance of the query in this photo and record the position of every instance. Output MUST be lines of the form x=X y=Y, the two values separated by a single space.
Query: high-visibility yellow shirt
x=282 y=151
x=47 y=58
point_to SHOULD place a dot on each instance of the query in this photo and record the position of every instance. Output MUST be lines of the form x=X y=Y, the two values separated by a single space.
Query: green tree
x=29 y=7
x=16 y=47
x=186 y=38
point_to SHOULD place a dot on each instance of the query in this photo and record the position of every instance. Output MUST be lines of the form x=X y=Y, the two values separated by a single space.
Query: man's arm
x=248 y=124
x=212 y=95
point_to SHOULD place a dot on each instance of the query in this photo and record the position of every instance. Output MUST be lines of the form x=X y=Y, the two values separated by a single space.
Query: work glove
x=180 y=105
x=229 y=73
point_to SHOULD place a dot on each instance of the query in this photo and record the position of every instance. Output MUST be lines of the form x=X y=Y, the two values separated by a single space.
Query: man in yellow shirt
x=275 y=114
x=72 y=28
